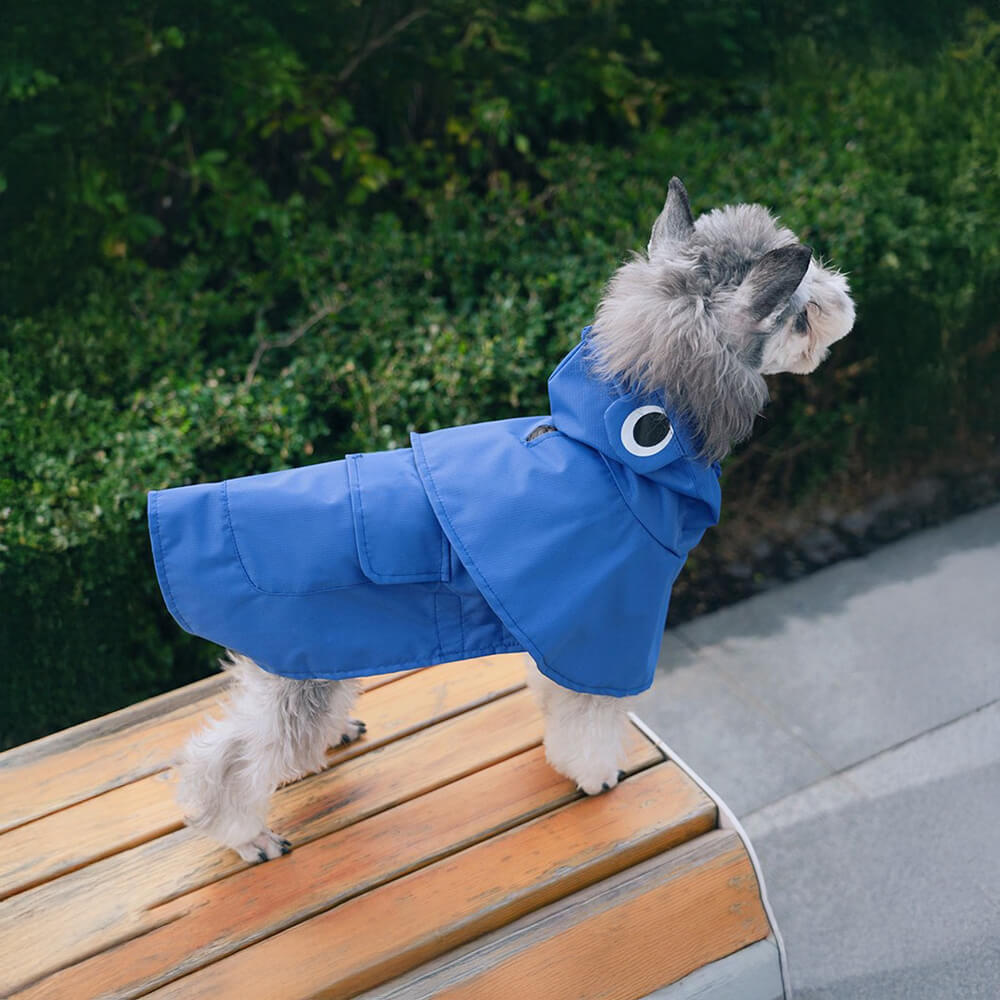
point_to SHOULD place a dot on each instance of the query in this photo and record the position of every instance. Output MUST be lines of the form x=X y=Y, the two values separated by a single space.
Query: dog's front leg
x=276 y=730
x=584 y=733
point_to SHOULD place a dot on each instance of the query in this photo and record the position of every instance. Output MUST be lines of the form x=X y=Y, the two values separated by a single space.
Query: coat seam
x=635 y=514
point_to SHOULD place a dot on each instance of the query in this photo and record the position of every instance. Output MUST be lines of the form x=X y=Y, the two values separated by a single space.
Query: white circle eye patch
x=646 y=431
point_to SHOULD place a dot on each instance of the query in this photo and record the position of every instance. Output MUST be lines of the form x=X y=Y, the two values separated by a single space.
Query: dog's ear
x=772 y=281
x=674 y=224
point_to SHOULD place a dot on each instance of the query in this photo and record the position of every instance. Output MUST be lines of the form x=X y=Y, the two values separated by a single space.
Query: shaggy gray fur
x=693 y=317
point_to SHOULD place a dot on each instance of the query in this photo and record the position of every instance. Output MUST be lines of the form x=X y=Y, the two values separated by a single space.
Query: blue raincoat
x=475 y=540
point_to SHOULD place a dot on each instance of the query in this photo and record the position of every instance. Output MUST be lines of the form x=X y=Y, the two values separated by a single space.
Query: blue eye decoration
x=646 y=431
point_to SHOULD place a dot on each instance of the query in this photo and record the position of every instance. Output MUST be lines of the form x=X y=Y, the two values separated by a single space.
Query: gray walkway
x=852 y=720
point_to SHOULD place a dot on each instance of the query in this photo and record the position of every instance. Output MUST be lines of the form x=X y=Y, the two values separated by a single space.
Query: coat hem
x=390 y=668
x=160 y=562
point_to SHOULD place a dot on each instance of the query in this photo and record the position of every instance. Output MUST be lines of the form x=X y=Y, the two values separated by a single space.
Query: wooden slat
x=141 y=713
x=143 y=810
x=378 y=935
x=430 y=696
x=534 y=863
x=109 y=753
x=88 y=831
x=31 y=790
x=618 y=940
x=94 y=907
x=199 y=695
x=419 y=848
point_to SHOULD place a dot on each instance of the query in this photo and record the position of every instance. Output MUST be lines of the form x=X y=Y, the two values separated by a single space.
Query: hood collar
x=605 y=417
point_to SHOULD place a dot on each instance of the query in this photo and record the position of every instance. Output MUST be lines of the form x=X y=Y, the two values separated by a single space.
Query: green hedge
x=456 y=313
x=131 y=129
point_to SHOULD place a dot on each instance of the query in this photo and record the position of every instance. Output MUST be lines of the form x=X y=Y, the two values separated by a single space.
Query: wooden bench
x=440 y=856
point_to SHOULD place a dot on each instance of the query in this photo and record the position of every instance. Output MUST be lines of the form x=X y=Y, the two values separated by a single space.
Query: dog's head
x=714 y=306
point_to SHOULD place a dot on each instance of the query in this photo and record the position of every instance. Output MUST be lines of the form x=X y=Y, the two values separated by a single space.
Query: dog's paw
x=264 y=847
x=594 y=769
x=354 y=730
x=595 y=784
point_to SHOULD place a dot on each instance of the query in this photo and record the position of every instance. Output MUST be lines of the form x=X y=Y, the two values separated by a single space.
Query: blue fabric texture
x=475 y=540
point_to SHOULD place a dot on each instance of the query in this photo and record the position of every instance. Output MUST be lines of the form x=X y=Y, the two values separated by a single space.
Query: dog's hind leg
x=276 y=730
x=584 y=733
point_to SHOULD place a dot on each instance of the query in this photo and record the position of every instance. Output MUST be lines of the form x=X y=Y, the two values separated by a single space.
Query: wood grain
x=440 y=856
x=129 y=717
x=141 y=810
x=365 y=867
x=106 y=901
x=621 y=939
x=201 y=694
x=59 y=771
x=384 y=932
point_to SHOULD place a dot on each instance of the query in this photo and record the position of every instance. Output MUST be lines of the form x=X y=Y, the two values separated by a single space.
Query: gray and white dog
x=710 y=308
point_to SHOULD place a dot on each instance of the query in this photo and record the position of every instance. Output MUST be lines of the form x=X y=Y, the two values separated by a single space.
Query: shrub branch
x=328 y=308
x=379 y=40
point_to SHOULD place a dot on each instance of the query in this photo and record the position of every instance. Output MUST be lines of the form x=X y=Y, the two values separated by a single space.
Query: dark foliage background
x=239 y=236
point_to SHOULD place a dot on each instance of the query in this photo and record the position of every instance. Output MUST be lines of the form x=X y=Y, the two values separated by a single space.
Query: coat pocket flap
x=292 y=531
x=399 y=539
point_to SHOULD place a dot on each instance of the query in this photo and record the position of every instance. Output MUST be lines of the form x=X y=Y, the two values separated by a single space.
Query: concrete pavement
x=852 y=721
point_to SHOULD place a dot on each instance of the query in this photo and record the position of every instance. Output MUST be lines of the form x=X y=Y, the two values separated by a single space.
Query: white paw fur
x=275 y=731
x=266 y=846
x=584 y=733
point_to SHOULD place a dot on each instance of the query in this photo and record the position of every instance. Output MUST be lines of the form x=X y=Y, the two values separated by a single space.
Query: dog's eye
x=646 y=431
